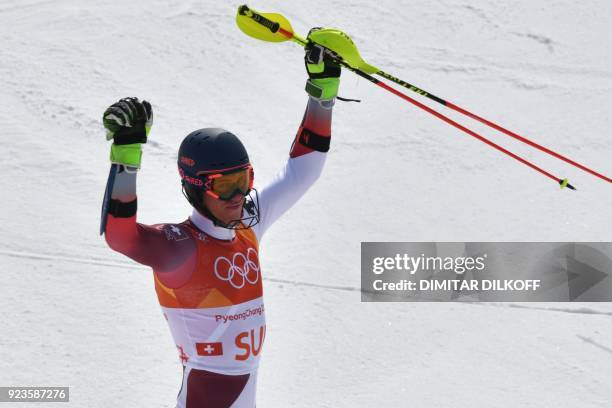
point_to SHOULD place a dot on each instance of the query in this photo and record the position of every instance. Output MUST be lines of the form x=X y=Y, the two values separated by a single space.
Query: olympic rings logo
x=239 y=270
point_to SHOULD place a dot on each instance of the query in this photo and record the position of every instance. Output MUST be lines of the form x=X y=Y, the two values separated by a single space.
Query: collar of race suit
x=208 y=227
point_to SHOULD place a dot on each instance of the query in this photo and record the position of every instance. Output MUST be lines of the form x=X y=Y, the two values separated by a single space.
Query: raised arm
x=166 y=248
x=310 y=146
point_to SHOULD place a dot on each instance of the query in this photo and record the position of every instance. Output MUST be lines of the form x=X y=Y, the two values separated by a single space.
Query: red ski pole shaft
x=527 y=141
x=562 y=182
x=492 y=125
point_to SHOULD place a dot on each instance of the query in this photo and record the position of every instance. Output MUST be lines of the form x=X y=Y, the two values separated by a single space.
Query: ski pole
x=490 y=124
x=110 y=182
x=269 y=25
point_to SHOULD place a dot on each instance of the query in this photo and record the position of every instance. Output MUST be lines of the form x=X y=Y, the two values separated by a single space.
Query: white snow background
x=77 y=314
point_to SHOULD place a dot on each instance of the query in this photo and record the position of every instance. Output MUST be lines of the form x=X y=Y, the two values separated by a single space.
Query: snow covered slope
x=78 y=314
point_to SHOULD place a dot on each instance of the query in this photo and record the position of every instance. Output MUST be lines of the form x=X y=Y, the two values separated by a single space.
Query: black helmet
x=211 y=151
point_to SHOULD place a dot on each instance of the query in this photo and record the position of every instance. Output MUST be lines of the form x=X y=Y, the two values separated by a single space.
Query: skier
x=206 y=269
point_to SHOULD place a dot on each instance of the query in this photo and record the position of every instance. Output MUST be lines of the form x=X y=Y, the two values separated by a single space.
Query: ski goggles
x=224 y=186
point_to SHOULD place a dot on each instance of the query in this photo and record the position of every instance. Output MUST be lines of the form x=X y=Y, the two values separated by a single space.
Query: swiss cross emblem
x=174 y=233
x=209 y=349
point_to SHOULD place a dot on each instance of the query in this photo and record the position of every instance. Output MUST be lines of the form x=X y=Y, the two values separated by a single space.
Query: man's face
x=225 y=211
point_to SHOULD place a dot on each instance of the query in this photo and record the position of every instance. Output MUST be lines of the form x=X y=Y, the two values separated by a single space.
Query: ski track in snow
x=85 y=317
x=125 y=265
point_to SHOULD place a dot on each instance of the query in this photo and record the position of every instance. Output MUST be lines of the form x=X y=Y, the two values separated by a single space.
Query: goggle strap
x=222 y=171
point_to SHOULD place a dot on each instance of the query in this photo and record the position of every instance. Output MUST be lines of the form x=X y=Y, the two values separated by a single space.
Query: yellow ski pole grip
x=271 y=25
